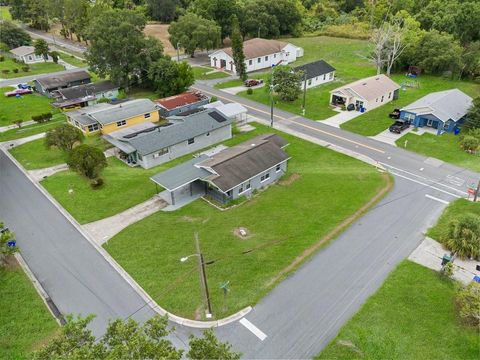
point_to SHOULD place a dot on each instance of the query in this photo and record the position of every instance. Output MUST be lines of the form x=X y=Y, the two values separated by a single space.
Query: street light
x=203 y=275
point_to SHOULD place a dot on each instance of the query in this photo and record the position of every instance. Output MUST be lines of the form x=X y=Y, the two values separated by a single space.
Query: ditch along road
x=304 y=312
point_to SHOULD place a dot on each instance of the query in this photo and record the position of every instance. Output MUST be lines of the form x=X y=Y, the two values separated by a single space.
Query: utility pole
x=304 y=92
x=178 y=52
x=477 y=192
x=203 y=277
x=271 y=97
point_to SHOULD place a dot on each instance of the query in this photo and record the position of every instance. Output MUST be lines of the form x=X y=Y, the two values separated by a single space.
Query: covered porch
x=123 y=151
x=430 y=121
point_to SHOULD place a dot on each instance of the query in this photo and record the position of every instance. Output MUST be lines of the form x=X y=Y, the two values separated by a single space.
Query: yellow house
x=106 y=118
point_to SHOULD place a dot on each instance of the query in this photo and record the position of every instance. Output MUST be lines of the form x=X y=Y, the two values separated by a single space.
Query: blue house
x=443 y=110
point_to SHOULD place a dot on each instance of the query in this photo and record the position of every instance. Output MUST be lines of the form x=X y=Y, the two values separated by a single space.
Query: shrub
x=352 y=31
x=18 y=123
x=15 y=71
x=249 y=91
x=42 y=117
x=463 y=236
x=5 y=71
x=96 y=183
x=2 y=58
x=103 y=100
x=470 y=143
x=468 y=304
x=213 y=99
x=26 y=68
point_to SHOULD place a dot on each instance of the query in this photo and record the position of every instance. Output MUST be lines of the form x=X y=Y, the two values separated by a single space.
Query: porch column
x=172 y=195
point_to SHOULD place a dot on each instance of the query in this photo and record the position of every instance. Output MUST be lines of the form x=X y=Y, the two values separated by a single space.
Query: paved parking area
x=341 y=117
x=389 y=138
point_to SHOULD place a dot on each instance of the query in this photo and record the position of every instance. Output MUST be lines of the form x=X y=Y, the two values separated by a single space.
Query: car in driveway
x=395 y=114
x=398 y=126
x=253 y=82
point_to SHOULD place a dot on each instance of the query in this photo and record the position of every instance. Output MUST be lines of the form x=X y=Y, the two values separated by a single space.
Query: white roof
x=213 y=105
x=229 y=110
x=445 y=105
x=369 y=88
x=23 y=50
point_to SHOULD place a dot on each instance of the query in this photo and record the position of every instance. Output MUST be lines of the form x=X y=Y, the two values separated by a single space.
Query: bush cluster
x=42 y=117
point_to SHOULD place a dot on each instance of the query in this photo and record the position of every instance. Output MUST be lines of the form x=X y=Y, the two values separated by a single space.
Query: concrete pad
x=389 y=138
x=340 y=118
x=40 y=174
x=103 y=230
x=430 y=253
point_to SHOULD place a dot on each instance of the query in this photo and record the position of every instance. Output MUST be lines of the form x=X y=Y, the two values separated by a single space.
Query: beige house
x=366 y=94
x=27 y=55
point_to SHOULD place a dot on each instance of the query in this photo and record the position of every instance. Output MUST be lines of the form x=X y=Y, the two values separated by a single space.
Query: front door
x=223 y=63
x=429 y=122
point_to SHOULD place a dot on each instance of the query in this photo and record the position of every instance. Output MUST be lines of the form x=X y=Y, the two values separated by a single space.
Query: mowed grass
x=37 y=68
x=25 y=322
x=200 y=73
x=444 y=147
x=347 y=56
x=412 y=316
x=453 y=211
x=282 y=221
x=30 y=130
x=72 y=60
x=5 y=13
x=23 y=108
x=374 y=122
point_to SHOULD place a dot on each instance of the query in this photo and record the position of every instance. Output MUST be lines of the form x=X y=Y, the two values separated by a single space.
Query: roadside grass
x=453 y=211
x=412 y=316
x=444 y=147
x=200 y=73
x=38 y=68
x=25 y=322
x=239 y=82
x=5 y=13
x=374 y=122
x=282 y=221
x=30 y=130
x=73 y=60
x=23 y=108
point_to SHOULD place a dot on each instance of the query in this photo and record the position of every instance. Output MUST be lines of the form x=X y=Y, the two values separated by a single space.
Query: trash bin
x=446 y=259
x=456 y=131
x=362 y=109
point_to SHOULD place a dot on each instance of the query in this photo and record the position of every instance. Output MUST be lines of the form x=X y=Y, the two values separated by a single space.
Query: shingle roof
x=257 y=47
x=449 y=104
x=369 y=88
x=54 y=81
x=186 y=98
x=181 y=129
x=122 y=111
x=316 y=68
x=85 y=90
x=23 y=50
x=83 y=115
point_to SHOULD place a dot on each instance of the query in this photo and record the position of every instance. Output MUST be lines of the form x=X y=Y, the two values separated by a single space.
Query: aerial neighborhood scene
x=239 y=179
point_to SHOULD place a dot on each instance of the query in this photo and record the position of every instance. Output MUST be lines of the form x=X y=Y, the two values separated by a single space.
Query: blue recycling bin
x=456 y=131
x=362 y=109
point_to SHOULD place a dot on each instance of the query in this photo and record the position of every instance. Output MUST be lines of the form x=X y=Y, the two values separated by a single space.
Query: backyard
x=412 y=316
x=283 y=223
x=25 y=322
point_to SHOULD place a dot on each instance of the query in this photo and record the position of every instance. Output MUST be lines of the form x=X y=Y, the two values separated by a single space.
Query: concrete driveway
x=389 y=138
x=341 y=117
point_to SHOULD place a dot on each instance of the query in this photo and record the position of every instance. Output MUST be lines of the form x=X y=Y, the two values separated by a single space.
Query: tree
x=471 y=61
x=220 y=11
x=13 y=36
x=41 y=48
x=162 y=10
x=473 y=116
x=468 y=304
x=470 y=143
x=192 y=32
x=208 y=347
x=55 y=56
x=395 y=45
x=87 y=160
x=64 y=137
x=170 y=78
x=463 y=236
x=286 y=82
x=117 y=44
x=237 y=50
x=5 y=237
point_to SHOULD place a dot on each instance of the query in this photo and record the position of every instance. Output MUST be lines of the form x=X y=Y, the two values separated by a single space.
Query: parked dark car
x=350 y=107
x=399 y=126
x=395 y=114
x=252 y=82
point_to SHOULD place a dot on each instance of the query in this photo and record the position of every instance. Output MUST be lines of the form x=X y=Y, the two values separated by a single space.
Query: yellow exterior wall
x=154 y=117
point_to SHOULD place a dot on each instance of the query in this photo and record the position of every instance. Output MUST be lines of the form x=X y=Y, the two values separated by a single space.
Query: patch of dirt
x=236 y=232
x=189 y=219
x=160 y=31
x=198 y=313
x=350 y=345
x=11 y=263
x=335 y=231
x=290 y=180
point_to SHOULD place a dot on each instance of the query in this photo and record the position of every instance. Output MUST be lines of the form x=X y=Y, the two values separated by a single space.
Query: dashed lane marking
x=256 y=331
x=436 y=199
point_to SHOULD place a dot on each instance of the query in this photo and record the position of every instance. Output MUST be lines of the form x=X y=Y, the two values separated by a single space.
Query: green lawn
x=374 y=122
x=412 y=316
x=444 y=147
x=38 y=68
x=139 y=93
x=72 y=60
x=282 y=221
x=5 y=13
x=25 y=322
x=200 y=73
x=23 y=108
x=454 y=209
x=30 y=130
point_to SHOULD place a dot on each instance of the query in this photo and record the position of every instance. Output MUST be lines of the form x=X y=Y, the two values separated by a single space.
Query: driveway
x=341 y=117
x=389 y=138
x=236 y=89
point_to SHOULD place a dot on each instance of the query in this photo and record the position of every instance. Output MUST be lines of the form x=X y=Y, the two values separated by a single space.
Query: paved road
x=25 y=79
x=55 y=40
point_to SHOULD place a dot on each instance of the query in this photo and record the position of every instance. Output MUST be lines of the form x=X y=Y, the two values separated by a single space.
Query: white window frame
x=191 y=141
x=121 y=123
x=250 y=62
x=146 y=116
x=278 y=168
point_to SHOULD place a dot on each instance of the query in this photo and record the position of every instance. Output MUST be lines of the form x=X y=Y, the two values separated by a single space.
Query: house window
x=389 y=95
x=208 y=134
x=248 y=186
x=250 y=62
x=278 y=168
x=259 y=60
x=229 y=193
x=244 y=187
x=121 y=123
x=191 y=141
x=266 y=58
x=330 y=76
x=29 y=57
x=160 y=153
x=324 y=76
x=240 y=189
x=140 y=157
x=265 y=177
x=382 y=98
x=309 y=82
x=93 y=127
x=146 y=116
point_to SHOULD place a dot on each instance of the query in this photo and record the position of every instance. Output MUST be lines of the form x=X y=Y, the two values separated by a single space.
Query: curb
x=138 y=289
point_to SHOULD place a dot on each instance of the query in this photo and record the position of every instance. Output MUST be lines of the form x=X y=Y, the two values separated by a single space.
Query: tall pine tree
x=237 y=49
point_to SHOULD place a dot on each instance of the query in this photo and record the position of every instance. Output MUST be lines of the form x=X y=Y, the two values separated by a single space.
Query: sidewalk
x=13 y=126
x=17 y=142
x=40 y=174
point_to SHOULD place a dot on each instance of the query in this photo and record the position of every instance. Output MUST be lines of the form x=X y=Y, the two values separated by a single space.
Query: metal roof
x=180 y=100
x=83 y=115
x=85 y=90
x=56 y=81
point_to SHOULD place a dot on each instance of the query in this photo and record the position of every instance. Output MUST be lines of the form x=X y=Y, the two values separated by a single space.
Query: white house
x=259 y=54
x=366 y=94
x=27 y=55
x=316 y=73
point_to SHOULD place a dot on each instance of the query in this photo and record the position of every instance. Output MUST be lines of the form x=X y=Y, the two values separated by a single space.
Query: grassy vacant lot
x=22 y=108
x=346 y=55
x=444 y=147
x=200 y=73
x=412 y=316
x=5 y=13
x=25 y=323
x=374 y=122
x=454 y=209
x=319 y=191
x=38 y=68
x=30 y=130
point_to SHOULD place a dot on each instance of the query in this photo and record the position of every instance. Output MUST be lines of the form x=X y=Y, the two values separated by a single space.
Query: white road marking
x=436 y=199
x=427 y=185
x=455 y=180
x=256 y=331
x=421 y=169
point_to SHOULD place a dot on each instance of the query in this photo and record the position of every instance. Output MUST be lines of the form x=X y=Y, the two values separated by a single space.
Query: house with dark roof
x=84 y=95
x=316 y=73
x=442 y=110
x=259 y=54
x=26 y=54
x=47 y=84
x=228 y=174
x=107 y=118
x=180 y=103
x=149 y=146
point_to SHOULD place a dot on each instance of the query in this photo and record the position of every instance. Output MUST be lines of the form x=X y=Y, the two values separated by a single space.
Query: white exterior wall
x=318 y=80
x=32 y=58
x=221 y=55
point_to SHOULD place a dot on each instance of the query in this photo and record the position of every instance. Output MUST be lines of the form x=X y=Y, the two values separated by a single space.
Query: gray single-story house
x=26 y=54
x=316 y=73
x=443 y=110
x=155 y=145
x=184 y=102
x=47 y=84
x=84 y=95
x=228 y=174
